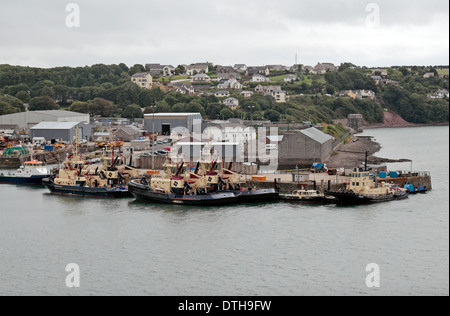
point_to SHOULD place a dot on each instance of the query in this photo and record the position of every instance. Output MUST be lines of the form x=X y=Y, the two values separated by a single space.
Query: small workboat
x=308 y=197
x=364 y=189
x=30 y=173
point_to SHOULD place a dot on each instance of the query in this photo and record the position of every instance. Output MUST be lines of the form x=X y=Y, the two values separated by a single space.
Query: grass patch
x=444 y=71
x=337 y=131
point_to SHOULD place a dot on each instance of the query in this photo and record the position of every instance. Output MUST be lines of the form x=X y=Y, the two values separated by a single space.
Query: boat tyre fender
x=238 y=187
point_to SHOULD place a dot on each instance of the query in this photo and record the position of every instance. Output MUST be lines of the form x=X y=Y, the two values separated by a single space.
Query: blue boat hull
x=145 y=193
x=33 y=180
x=78 y=191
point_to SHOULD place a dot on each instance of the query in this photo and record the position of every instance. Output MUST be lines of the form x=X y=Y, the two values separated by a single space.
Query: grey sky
x=34 y=33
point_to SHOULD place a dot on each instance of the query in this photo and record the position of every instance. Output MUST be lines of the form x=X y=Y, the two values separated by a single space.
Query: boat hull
x=349 y=198
x=85 y=191
x=145 y=193
x=320 y=200
x=255 y=196
x=33 y=180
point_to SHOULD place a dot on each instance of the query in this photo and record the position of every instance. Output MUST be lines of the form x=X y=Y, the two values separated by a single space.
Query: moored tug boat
x=30 y=173
x=178 y=190
x=308 y=197
x=71 y=180
x=364 y=189
x=230 y=181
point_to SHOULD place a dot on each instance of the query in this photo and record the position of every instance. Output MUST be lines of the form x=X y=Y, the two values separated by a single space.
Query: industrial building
x=304 y=148
x=164 y=123
x=192 y=151
x=26 y=120
x=66 y=131
x=128 y=133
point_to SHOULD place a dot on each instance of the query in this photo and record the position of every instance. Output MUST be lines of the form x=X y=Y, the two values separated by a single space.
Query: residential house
x=259 y=78
x=186 y=89
x=379 y=72
x=160 y=70
x=322 y=68
x=230 y=84
x=231 y=102
x=347 y=93
x=365 y=94
x=225 y=69
x=200 y=78
x=193 y=69
x=377 y=79
x=390 y=81
x=440 y=94
x=247 y=94
x=310 y=69
x=228 y=76
x=428 y=75
x=276 y=67
x=143 y=80
x=291 y=78
x=295 y=68
x=279 y=95
x=240 y=68
x=265 y=71
x=222 y=94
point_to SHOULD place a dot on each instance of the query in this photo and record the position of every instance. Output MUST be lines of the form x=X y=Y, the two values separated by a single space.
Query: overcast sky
x=226 y=32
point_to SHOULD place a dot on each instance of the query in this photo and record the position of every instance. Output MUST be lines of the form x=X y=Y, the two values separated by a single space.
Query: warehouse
x=26 y=120
x=304 y=148
x=164 y=123
x=128 y=133
x=65 y=131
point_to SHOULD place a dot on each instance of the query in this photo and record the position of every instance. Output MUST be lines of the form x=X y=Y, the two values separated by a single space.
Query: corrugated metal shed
x=317 y=135
x=55 y=125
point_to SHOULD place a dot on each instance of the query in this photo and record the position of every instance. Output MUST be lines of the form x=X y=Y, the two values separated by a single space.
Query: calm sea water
x=128 y=248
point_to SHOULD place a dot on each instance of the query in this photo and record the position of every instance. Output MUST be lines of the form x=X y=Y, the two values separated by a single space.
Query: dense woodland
x=106 y=90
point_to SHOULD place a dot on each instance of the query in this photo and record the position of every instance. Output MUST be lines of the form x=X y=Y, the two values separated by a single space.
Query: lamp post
x=153 y=136
x=251 y=107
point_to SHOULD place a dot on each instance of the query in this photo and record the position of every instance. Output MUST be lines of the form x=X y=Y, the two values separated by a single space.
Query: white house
x=143 y=80
x=247 y=94
x=230 y=84
x=222 y=94
x=200 y=78
x=197 y=69
x=231 y=102
x=291 y=78
x=259 y=78
x=440 y=94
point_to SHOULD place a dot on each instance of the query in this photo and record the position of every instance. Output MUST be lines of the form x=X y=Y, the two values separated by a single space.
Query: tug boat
x=178 y=190
x=30 y=173
x=227 y=181
x=308 y=197
x=72 y=181
x=364 y=189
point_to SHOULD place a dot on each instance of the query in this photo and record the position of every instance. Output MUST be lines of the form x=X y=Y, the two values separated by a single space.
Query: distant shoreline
x=382 y=125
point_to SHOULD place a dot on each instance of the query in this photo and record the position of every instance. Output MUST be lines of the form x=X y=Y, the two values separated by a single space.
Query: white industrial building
x=66 y=131
x=26 y=120
x=165 y=123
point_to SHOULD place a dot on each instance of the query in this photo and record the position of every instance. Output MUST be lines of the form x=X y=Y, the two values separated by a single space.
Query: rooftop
x=55 y=125
x=316 y=135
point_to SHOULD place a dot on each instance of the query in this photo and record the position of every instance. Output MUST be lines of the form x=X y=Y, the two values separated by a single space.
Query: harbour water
x=125 y=247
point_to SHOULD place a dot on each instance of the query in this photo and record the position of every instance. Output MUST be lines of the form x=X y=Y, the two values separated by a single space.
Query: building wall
x=121 y=135
x=298 y=149
x=68 y=135
x=27 y=120
x=174 y=121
